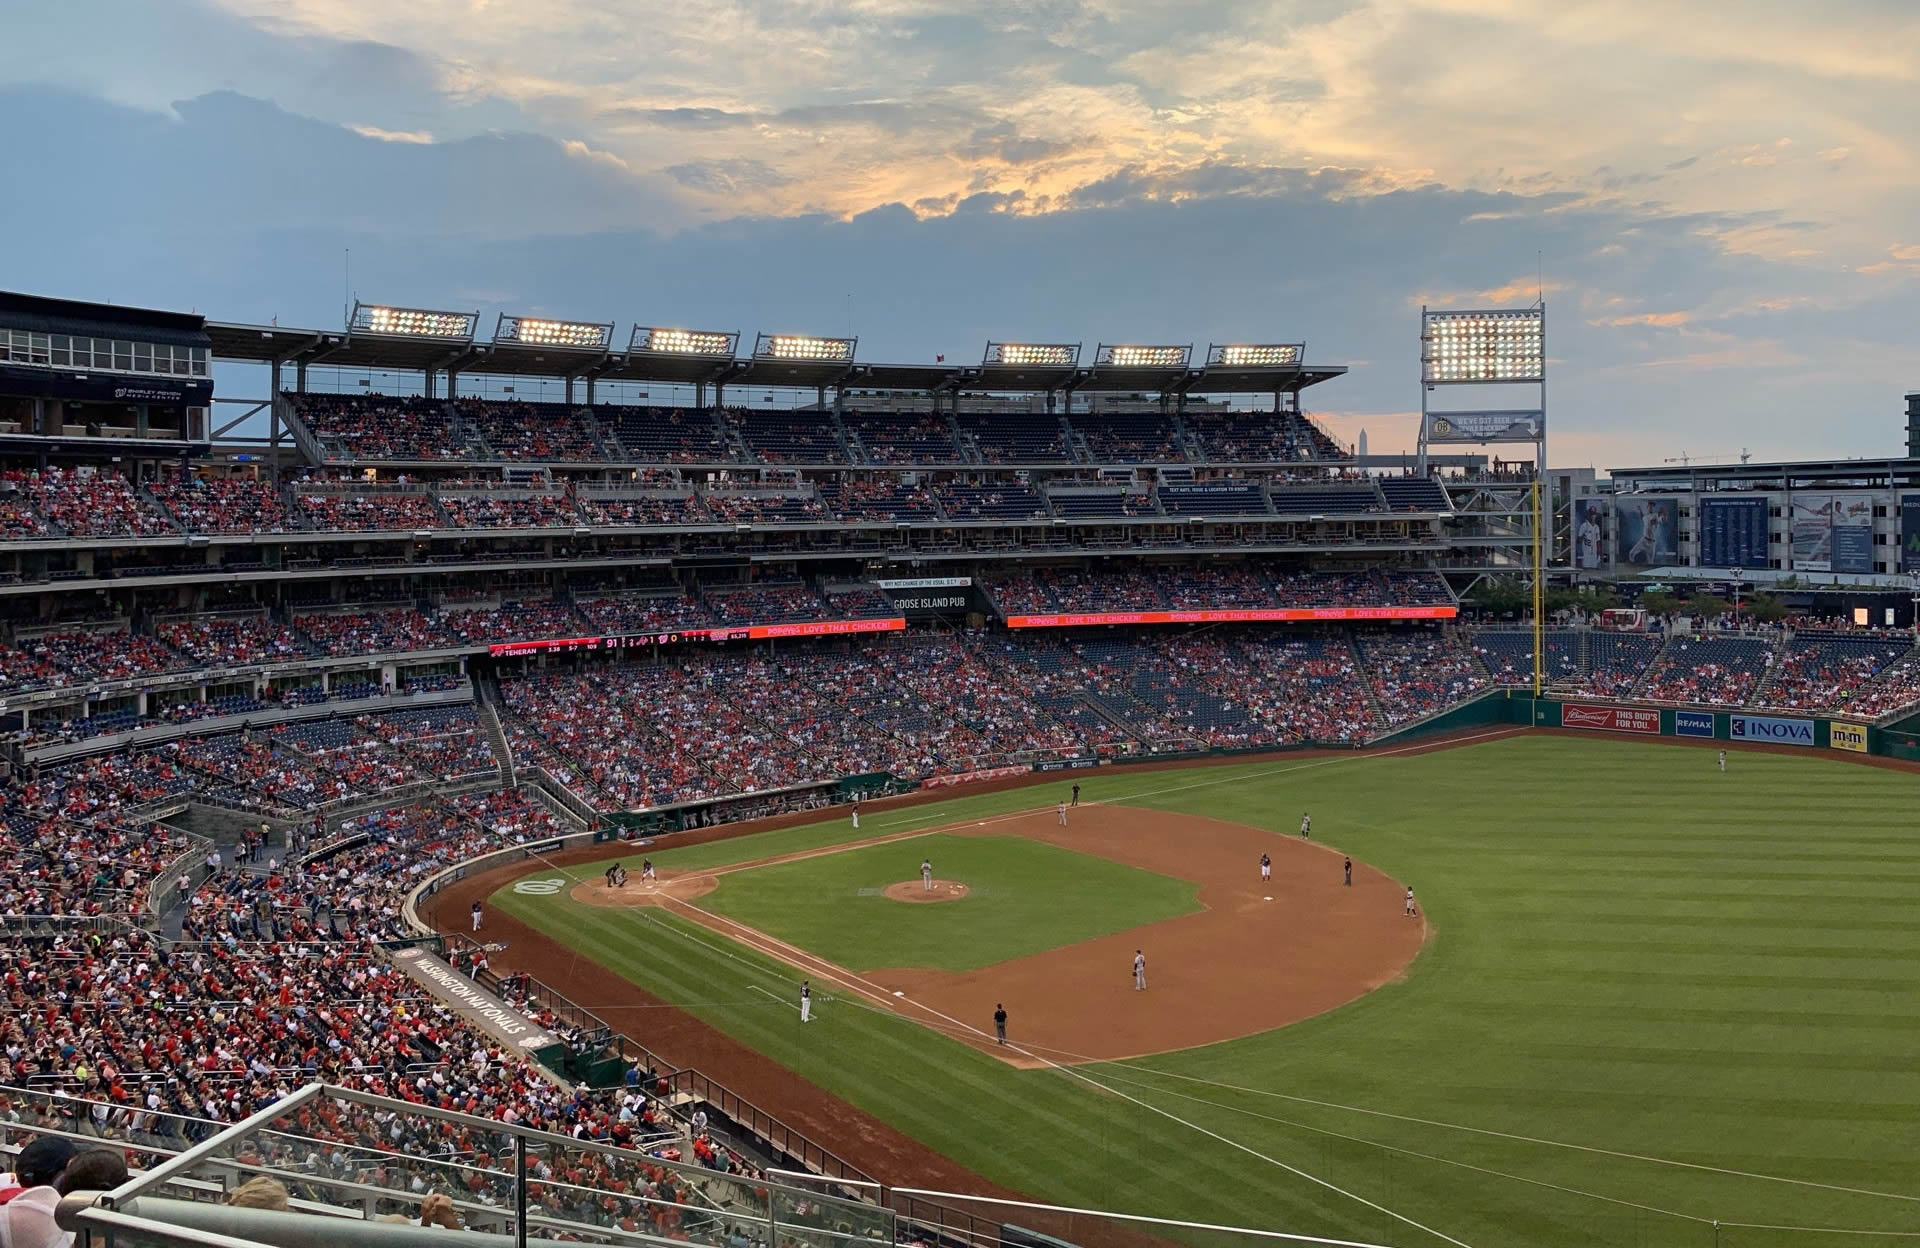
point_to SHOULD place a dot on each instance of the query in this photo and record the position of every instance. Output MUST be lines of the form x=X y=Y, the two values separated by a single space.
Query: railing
x=161 y=890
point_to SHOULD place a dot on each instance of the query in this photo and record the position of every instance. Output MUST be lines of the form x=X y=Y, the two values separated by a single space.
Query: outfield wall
x=1811 y=732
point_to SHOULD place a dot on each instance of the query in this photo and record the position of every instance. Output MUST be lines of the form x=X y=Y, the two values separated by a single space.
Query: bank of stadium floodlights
x=1128 y=356
x=1492 y=347
x=1256 y=354
x=392 y=322
x=1031 y=355
x=804 y=348
x=710 y=344
x=538 y=331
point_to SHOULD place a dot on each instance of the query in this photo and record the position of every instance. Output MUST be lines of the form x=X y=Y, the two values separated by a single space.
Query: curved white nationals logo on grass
x=539 y=888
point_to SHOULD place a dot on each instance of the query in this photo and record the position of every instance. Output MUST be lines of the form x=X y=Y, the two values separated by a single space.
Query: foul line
x=800 y=958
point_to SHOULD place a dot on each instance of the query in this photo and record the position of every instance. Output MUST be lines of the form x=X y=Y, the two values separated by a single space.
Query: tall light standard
x=1915 y=574
x=1737 y=574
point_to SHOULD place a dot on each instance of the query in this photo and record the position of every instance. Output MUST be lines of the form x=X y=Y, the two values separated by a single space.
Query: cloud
x=392 y=136
x=1291 y=167
x=727 y=177
x=1659 y=320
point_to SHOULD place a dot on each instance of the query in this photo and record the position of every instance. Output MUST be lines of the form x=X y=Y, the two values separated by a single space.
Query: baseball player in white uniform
x=1411 y=911
x=1061 y=811
x=1266 y=868
x=926 y=874
x=806 y=1002
x=1139 y=970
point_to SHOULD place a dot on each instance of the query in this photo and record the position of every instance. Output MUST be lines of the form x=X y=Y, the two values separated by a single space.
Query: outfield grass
x=1027 y=897
x=1632 y=952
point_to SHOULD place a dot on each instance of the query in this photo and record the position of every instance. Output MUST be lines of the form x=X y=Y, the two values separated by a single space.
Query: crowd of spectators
x=224 y=505
x=767 y=604
x=1826 y=673
x=537 y=432
x=88 y=503
x=1708 y=671
x=636 y=510
x=373 y=630
x=642 y=612
x=90 y=654
x=516 y=509
x=375 y=427
x=760 y=507
x=510 y=621
x=333 y=511
x=1416 y=673
x=879 y=498
x=903 y=437
x=227 y=640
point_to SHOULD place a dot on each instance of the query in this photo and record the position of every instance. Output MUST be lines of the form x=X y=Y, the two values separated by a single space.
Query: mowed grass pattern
x=1028 y=897
x=1633 y=953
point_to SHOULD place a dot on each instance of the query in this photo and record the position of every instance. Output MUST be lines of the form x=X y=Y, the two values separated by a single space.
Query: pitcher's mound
x=915 y=890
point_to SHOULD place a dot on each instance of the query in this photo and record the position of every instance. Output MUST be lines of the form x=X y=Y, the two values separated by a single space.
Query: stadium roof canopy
x=1789 y=474
x=38 y=314
x=267 y=344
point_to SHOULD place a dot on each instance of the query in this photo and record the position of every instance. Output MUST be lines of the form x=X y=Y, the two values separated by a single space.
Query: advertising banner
x=1589 y=535
x=1910 y=532
x=1767 y=728
x=1483 y=427
x=1852 y=542
x=1259 y=616
x=1066 y=764
x=743 y=632
x=1812 y=529
x=924 y=582
x=472 y=1002
x=1733 y=533
x=1648 y=531
x=1693 y=723
x=949 y=779
x=1847 y=737
x=928 y=603
x=1611 y=718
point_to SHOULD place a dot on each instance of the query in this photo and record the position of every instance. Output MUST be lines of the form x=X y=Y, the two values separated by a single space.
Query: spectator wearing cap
x=27 y=1219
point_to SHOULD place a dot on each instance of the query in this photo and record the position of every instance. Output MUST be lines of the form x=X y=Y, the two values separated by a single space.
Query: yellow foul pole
x=1539 y=594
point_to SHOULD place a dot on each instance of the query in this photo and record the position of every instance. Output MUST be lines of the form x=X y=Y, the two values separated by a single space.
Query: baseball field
x=1644 y=1003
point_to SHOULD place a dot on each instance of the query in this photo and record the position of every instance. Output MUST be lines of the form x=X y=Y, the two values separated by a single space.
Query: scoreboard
x=1733 y=533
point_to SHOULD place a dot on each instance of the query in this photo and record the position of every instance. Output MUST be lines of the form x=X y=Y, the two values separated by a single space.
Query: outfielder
x=1306 y=825
x=1723 y=760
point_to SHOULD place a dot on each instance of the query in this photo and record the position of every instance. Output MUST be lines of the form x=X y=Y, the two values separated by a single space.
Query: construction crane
x=1687 y=461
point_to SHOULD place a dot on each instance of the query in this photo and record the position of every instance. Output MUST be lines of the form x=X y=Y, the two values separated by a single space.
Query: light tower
x=1501 y=347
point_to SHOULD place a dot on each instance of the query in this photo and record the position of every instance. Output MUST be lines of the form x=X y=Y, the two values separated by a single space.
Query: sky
x=1719 y=203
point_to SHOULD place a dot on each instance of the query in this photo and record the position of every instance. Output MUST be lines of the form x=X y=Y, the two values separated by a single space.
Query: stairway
x=1366 y=682
x=1640 y=682
x=485 y=704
